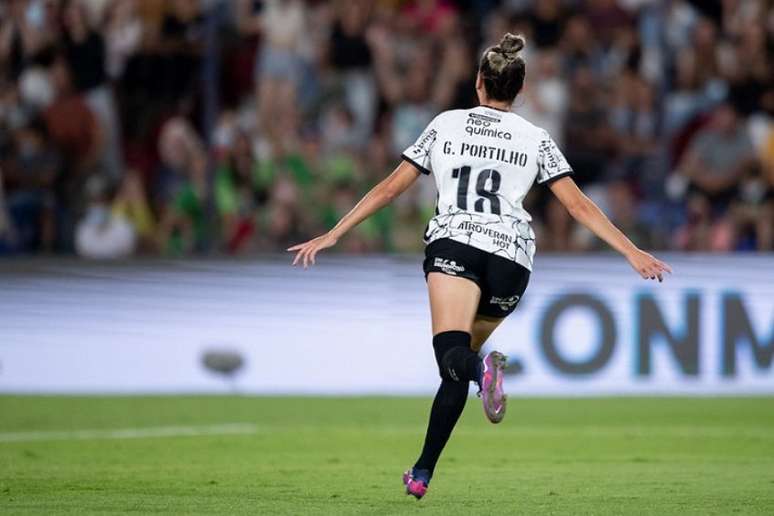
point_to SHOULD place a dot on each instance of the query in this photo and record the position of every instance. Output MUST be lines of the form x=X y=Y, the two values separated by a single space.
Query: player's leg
x=491 y=385
x=483 y=327
x=453 y=304
x=502 y=286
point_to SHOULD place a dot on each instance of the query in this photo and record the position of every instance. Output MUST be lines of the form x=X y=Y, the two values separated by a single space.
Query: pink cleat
x=416 y=482
x=491 y=391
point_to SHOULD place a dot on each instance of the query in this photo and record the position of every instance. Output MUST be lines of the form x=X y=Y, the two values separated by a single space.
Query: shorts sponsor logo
x=505 y=303
x=448 y=266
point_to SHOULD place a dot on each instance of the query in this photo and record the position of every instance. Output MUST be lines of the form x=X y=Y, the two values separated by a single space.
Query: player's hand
x=648 y=266
x=307 y=251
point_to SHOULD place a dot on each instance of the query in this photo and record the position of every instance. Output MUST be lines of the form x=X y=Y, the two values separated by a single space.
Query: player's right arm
x=378 y=197
x=585 y=211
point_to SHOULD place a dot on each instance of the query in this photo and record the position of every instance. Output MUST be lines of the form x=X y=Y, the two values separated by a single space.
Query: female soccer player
x=480 y=243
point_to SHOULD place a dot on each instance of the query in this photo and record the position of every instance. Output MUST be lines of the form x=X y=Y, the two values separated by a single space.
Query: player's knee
x=452 y=354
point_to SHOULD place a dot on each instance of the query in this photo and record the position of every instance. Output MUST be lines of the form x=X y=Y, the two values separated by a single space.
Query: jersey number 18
x=490 y=194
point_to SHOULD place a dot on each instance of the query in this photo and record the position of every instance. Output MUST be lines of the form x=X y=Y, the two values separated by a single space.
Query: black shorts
x=502 y=281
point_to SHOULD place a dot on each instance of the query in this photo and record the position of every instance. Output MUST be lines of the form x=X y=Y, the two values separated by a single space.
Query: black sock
x=447 y=407
x=457 y=365
x=462 y=364
x=456 y=361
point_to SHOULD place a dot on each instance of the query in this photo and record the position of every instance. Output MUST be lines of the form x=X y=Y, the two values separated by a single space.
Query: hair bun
x=511 y=44
x=502 y=69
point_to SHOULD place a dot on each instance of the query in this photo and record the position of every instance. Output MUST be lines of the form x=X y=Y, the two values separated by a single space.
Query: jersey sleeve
x=551 y=162
x=418 y=154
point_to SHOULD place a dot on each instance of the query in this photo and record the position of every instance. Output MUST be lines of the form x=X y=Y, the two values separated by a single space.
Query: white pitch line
x=130 y=433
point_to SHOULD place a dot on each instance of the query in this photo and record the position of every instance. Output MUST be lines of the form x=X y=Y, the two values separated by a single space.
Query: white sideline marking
x=130 y=433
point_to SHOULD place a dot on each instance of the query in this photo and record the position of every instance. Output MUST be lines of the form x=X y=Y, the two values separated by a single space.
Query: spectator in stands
x=689 y=97
x=281 y=224
x=102 y=233
x=239 y=192
x=623 y=208
x=280 y=64
x=588 y=137
x=7 y=243
x=179 y=46
x=547 y=21
x=30 y=175
x=705 y=51
x=545 y=95
x=133 y=205
x=634 y=119
x=754 y=211
x=183 y=187
x=580 y=49
x=749 y=70
x=405 y=86
x=73 y=127
x=85 y=54
x=764 y=220
x=351 y=57
x=123 y=36
x=428 y=16
x=714 y=166
x=718 y=158
x=340 y=87
x=701 y=231
x=28 y=35
x=78 y=136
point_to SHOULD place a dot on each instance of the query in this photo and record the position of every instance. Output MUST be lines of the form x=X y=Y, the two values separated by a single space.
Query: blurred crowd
x=205 y=126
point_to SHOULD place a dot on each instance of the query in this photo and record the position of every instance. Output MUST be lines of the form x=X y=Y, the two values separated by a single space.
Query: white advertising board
x=586 y=326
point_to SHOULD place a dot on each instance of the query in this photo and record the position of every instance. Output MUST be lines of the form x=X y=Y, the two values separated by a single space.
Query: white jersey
x=485 y=161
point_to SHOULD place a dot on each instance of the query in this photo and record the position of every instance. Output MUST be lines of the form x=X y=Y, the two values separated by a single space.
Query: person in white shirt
x=480 y=243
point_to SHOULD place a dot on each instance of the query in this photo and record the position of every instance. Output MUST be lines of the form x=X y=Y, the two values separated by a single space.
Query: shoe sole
x=498 y=362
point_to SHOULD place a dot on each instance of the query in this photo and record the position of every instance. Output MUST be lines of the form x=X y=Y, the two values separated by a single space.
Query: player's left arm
x=380 y=196
x=585 y=211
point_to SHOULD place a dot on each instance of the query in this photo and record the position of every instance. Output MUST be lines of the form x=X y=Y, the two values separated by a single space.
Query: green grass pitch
x=346 y=455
